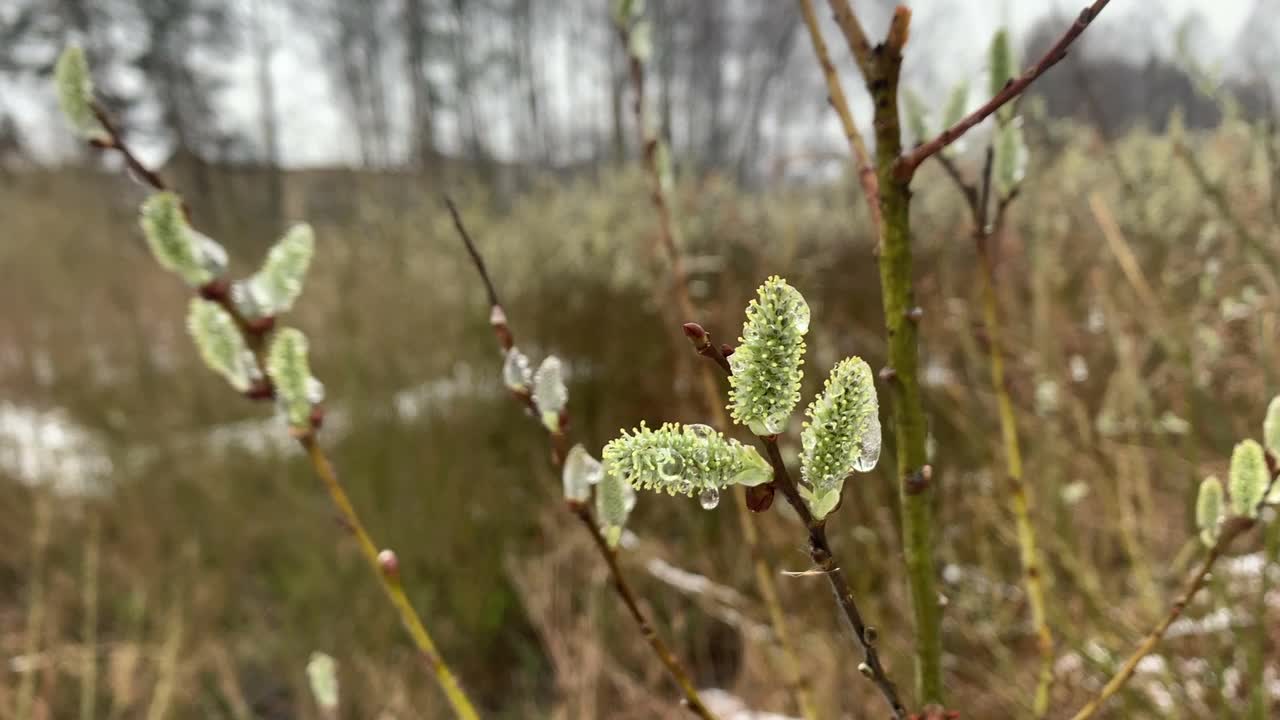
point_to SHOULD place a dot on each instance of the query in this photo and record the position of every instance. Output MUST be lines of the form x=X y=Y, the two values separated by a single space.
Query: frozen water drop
x=870 y=443
x=709 y=498
x=670 y=466
x=700 y=431
x=515 y=370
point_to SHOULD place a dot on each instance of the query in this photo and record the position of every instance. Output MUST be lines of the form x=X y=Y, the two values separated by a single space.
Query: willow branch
x=820 y=552
x=907 y=164
x=854 y=35
x=836 y=96
x=254 y=332
x=559 y=442
x=1233 y=529
x=793 y=678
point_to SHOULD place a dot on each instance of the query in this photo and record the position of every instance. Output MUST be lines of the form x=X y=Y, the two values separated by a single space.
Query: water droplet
x=800 y=317
x=709 y=498
x=700 y=431
x=670 y=465
x=315 y=391
x=776 y=423
x=515 y=370
x=870 y=450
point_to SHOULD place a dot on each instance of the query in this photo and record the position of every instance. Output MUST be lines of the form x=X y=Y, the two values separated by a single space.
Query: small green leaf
x=221 y=345
x=1209 y=510
x=296 y=390
x=1248 y=478
x=766 y=364
x=197 y=259
x=75 y=94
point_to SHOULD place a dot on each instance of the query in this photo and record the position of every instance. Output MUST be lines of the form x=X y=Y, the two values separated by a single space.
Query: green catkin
x=683 y=460
x=841 y=436
x=767 y=363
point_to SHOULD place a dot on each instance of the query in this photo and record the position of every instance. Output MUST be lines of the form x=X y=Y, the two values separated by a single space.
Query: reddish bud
x=760 y=497
x=388 y=563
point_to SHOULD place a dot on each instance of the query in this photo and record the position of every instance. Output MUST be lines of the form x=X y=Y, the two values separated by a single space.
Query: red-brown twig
x=907 y=164
x=819 y=547
x=559 y=448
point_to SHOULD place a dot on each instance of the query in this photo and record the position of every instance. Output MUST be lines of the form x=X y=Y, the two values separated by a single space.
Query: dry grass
x=221 y=571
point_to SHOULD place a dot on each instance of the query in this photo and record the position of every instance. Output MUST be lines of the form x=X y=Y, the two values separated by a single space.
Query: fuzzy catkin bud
x=1248 y=478
x=956 y=104
x=322 y=675
x=197 y=259
x=841 y=436
x=220 y=343
x=516 y=374
x=274 y=288
x=766 y=364
x=296 y=389
x=1209 y=510
x=1271 y=427
x=581 y=471
x=1011 y=158
x=549 y=392
x=615 y=500
x=1001 y=70
x=75 y=94
x=683 y=460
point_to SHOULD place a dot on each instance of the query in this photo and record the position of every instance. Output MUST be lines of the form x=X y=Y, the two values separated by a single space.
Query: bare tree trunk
x=422 y=121
x=264 y=49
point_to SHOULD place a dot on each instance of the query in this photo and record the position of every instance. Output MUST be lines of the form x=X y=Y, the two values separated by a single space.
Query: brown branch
x=854 y=35
x=836 y=96
x=664 y=653
x=907 y=164
x=115 y=141
x=559 y=449
x=1234 y=527
x=821 y=554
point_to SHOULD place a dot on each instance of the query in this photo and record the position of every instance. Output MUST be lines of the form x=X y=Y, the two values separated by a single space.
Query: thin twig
x=793 y=678
x=254 y=333
x=819 y=548
x=836 y=96
x=559 y=442
x=1233 y=529
x=907 y=164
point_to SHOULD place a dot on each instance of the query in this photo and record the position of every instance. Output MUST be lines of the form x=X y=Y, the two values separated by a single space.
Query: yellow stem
x=390 y=581
x=1022 y=499
x=1197 y=581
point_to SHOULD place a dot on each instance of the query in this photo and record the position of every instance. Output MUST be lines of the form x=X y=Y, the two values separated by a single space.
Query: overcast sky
x=957 y=30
